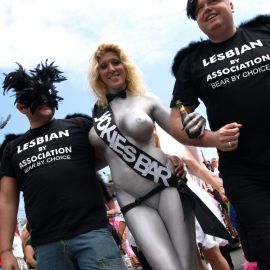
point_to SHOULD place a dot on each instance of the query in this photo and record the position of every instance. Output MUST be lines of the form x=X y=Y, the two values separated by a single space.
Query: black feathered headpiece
x=191 y=9
x=35 y=88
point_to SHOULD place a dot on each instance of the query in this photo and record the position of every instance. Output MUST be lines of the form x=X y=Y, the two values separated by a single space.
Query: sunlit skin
x=112 y=72
x=161 y=215
x=214 y=17
x=42 y=115
x=214 y=163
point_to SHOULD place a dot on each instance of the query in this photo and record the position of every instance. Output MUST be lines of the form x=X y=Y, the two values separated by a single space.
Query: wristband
x=5 y=250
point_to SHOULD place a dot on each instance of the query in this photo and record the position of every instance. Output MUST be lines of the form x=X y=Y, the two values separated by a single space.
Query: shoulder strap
x=139 y=200
x=151 y=169
x=138 y=160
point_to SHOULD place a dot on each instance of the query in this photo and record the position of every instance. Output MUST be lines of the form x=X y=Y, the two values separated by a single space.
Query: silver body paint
x=158 y=225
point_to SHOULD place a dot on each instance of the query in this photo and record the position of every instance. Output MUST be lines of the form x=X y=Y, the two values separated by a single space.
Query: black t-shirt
x=232 y=79
x=54 y=167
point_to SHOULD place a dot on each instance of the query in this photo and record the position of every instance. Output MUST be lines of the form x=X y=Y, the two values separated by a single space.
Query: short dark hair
x=191 y=9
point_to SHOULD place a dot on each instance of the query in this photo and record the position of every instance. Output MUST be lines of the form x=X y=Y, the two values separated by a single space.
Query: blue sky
x=67 y=32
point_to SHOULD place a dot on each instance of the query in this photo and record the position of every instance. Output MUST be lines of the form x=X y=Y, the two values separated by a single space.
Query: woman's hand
x=222 y=194
x=179 y=166
x=194 y=124
x=29 y=254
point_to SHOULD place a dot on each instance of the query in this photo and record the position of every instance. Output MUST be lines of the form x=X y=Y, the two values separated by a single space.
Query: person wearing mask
x=53 y=164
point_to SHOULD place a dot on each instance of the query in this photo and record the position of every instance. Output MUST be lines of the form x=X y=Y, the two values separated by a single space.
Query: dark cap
x=191 y=9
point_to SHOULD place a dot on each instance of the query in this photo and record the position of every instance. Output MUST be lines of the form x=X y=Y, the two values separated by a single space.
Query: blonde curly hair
x=134 y=80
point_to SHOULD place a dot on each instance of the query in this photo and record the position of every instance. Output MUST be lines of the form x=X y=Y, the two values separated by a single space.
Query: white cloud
x=35 y=29
x=68 y=31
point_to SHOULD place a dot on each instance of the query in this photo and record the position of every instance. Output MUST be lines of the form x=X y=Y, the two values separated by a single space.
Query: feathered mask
x=191 y=9
x=35 y=88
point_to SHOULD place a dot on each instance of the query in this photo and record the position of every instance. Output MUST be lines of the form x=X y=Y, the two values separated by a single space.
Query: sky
x=67 y=32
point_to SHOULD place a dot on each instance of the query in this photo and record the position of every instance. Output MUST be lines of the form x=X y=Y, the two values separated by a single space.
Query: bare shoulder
x=152 y=97
x=150 y=94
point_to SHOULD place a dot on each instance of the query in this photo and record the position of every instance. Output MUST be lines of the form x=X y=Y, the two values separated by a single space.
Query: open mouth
x=210 y=17
x=113 y=76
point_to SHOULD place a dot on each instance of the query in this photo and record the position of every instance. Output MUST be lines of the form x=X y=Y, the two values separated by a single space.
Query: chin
x=49 y=114
x=213 y=28
x=45 y=109
x=46 y=113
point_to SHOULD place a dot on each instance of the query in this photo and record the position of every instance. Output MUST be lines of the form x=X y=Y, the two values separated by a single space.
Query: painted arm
x=100 y=161
x=192 y=122
x=172 y=124
x=9 y=201
x=225 y=139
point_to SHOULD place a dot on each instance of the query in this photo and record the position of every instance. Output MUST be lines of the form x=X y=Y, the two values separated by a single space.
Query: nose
x=111 y=67
x=207 y=7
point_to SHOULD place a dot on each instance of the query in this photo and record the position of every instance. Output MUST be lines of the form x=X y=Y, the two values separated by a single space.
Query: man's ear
x=22 y=108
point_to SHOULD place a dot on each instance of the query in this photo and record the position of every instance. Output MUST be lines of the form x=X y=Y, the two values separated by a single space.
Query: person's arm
x=114 y=212
x=121 y=229
x=25 y=235
x=112 y=209
x=179 y=167
x=203 y=157
x=9 y=201
x=206 y=162
x=100 y=161
x=172 y=124
x=202 y=172
x=225 y=139
x=29 y=254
